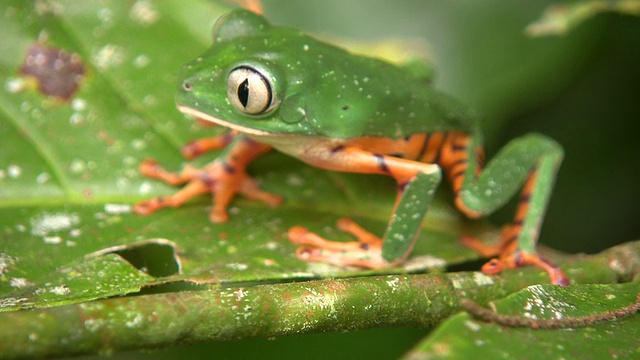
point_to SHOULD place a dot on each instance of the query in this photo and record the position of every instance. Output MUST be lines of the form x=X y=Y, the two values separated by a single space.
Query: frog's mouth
x=204 y=116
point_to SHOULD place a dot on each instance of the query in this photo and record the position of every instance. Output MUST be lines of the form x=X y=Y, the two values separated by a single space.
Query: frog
x=275 y=87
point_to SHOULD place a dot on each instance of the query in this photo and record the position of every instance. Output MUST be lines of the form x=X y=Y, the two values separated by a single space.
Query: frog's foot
x=507 y=243
x=215 y=179
x=366 y=252
x=510 y=257
x=520 y=258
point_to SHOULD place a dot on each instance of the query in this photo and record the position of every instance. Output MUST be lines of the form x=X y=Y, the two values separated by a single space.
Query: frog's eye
x=249 y=90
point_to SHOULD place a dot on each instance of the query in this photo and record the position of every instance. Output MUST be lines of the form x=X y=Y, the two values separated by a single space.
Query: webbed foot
x=366 y=252
x=215 y=178
x=224 y=177
x=508 y=256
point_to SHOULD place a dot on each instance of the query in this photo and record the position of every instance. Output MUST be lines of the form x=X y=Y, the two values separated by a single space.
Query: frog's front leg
x=223 y=177
x=416 y=185
x=198 y=147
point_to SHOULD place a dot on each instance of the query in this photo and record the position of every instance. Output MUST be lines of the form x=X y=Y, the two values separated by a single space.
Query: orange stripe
x=432 y=147
x=454 y=159
x=523 y=206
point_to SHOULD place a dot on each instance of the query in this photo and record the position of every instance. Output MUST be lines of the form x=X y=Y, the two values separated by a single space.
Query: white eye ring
x=249 y=90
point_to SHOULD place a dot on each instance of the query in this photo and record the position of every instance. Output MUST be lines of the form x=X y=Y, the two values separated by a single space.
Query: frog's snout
x=187 y=86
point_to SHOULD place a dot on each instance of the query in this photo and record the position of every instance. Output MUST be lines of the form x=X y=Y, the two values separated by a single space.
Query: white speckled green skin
x=320 y=89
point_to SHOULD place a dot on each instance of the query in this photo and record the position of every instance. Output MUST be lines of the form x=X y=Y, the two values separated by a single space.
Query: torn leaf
x=156 y=257
x=86 y=279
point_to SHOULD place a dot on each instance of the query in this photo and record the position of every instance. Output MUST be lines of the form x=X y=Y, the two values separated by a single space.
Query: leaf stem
x=224 y=313
x=518 y=321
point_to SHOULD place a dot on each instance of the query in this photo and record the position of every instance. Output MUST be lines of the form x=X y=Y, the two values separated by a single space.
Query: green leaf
x=559 y=19
x=463 y=336
x=70 y=169
x=68 y=176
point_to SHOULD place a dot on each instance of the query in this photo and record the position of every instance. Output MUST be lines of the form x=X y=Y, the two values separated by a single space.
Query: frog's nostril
x=187 y=86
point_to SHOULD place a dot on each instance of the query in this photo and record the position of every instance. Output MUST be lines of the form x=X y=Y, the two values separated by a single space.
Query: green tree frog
x=276 y=87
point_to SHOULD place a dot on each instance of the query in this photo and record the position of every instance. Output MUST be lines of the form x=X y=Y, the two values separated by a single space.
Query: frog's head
x=239 y=82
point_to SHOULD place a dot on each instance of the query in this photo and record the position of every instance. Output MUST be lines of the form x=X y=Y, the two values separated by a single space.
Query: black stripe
x=509 y=241
x=480 y=157
x=425 y=145
x=458 y=173
x=228 y=168
x=525 y=198
x=382 y=164
x=456 y=147
x=444 y=141
x=207 y=180
x=461 y=161
x=337 y=149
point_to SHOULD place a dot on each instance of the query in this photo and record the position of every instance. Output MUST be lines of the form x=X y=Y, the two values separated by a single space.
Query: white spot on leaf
x=43 y=225
x=14 y=171
x=19 y=282
x=117 y=209
x=144 y=12
x=109 y=56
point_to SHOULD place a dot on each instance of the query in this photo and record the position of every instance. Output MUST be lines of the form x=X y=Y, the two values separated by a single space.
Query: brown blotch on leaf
x=57 y=73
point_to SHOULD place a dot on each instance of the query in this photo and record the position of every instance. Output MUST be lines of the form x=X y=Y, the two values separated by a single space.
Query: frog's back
x=350 y=95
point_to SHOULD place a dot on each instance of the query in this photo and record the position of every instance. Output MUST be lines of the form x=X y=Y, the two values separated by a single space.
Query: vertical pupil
x=243 y=92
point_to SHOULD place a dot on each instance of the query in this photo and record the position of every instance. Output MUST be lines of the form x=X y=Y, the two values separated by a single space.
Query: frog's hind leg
x=507 y=252
x=530 y=161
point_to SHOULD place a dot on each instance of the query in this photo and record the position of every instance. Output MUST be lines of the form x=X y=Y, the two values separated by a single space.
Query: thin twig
x=517 y=321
